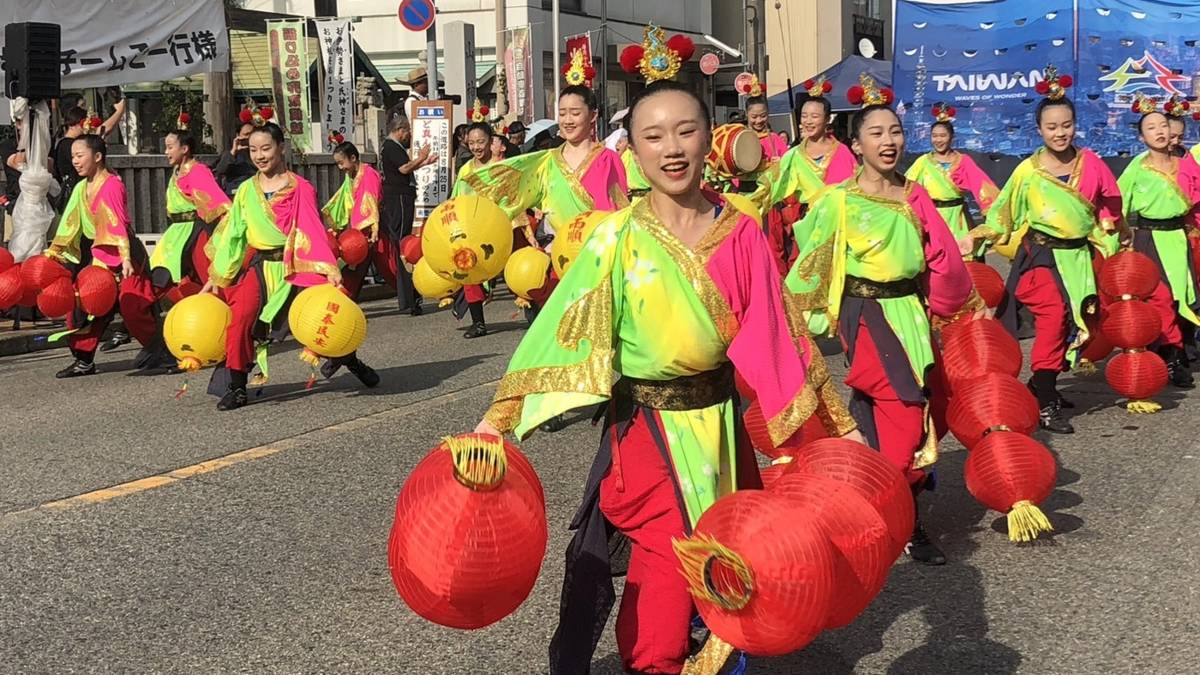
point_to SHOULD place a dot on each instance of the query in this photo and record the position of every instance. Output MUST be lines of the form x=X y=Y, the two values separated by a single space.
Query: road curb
x=29 y=341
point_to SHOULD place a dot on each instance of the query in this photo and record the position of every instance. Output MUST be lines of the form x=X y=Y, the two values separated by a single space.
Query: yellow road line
x=225 y=461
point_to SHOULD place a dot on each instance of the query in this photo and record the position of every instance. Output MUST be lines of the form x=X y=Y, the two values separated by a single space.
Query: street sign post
x=709 y=63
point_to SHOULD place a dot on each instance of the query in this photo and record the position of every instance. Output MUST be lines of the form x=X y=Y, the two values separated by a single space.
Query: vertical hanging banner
x=431 y=125
x=287 y=42
x=583 y=45
x=337 y=53
x=518 y=72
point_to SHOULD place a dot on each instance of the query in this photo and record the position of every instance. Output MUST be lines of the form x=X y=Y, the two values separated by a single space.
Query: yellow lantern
x=430 y=284
x=526 y=271
x=467 y=239
x=569 y=240
x=194 y=331
x=326 y=322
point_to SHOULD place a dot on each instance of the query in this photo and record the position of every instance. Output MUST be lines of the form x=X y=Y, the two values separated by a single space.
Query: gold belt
x=690 y=392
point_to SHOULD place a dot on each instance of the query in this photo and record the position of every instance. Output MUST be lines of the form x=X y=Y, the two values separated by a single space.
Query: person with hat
x=516 y=133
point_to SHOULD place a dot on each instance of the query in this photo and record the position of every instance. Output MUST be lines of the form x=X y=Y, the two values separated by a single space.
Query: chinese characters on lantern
x=431 y=126
x=289 y=71
x=322 y=336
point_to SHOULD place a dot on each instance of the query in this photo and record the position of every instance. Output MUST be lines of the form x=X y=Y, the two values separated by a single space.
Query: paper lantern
x=860 y=538
x=467 y=239
x=1130 y=324
x=11 y=288
x=195 y=331
x=1129 y=273
x=7 y=261
x=1137 y=375
x=431 y=285
x=756 y=429
x=988 y=282
x=1097 y=349
x=334 y=247
x=972 y=348
x=774 y=471
x=866 y=471
x=97 y=290
x=1012 y=473
x=354 y=246
x=57 y=299
x=28 y=296
x=410 y=249
x=38 y=271
x=569 y=241
x=760 y=569
x=469 y=534
x=526 y=271
x=326 y=322
x=991 y=401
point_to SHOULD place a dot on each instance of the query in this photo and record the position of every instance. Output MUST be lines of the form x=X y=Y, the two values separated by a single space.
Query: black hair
x=1142 y=119
x=481 y=126
x=807 y=98
x=664 y=86
x=756 y=100
x=187 y=140
x=462 y=130
x=1049 y=103
x=944 y=123
x=856 y=123
x=272 y=130
x=94 y=144
x=585 y=93
x=74 y=117
x=1182 y=121
x=346 y=149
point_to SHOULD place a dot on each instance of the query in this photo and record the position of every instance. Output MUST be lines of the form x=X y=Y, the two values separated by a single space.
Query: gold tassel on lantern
x=1085 y=368
x=710 y=659
x=927 y=454
x=1026 y=521
x=1143 y=407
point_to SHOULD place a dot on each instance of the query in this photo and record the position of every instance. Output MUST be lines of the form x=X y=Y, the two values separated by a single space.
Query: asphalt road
x=274 y=559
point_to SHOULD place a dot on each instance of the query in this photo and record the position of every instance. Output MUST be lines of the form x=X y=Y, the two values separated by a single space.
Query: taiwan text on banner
x=289 y=76
x=337 y=53
x=431 y=126
x=124 y=41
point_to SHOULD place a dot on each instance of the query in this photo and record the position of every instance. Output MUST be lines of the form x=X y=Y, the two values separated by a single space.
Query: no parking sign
x=417 y=15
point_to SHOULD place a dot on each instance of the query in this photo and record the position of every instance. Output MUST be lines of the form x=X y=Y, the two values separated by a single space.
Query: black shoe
x=556 y=423
x=922 y=549
x=365 y=374
x=417 y=310
x=233 y=399
x=329 y=368
x=1050 y=418
x=77 y=369
x=1063 y=403
x=1179 y=375
x=476 y=330
x=119 y=338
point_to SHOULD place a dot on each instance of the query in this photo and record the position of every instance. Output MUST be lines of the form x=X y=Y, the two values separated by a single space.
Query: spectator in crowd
x=234 y=166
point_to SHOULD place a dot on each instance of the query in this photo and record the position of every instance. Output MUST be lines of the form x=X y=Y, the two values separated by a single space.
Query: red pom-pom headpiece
x=183 y=121
x=657 y=58
x=817 y=87
x=1053 y=86
x=252 y=114
x=1176 y=106
x=92 y=123
x=943 y=112
x=867 y=92
x=751 y=88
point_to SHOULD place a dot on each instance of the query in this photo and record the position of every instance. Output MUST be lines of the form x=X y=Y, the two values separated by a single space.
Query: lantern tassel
x=1143 y=407
x=480 y=463
x=179 y=393
x=1026 y=521
x=311 y=381
x=710 y=659
x=698 y=556
x=1086 y=368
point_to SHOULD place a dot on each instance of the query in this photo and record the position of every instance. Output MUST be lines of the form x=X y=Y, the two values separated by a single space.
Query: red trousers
x=245 y=302
x=1163 y=302
x=383 y=254
x=638 y=497
x=1037 y=290
x=135 y=300
x=474 y=293
x=899 y=425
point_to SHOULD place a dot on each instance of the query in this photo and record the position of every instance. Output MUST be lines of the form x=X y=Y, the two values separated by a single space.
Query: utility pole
x=603 y=121
x=501 y=30
x=556 y=6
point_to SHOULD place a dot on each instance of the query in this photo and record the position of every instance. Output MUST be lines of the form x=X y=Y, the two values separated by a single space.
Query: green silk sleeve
x=514 y=184
x=229 y=240
x=818 y=275
x=1008 y=211
x=65 y=244
x=336 y=212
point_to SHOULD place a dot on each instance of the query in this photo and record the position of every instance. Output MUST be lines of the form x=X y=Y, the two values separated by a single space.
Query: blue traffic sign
x=417 y=15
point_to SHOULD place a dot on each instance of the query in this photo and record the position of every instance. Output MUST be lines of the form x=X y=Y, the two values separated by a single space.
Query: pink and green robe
x=356 y=203
x=195 y=204
x=638 y=185
x=103 y=222
x=948 y=184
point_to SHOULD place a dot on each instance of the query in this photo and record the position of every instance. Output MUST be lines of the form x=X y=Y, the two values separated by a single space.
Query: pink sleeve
x=1189 y=182
x=606 y=182
x=1106 y=194
x=947 y=283
x=968 y=176
x=200 y=187
x=778 y=367
x=841 y=166
x=114 y=198
x=307 y=255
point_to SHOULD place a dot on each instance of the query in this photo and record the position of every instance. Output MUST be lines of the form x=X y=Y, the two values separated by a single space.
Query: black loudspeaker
x=32 y=65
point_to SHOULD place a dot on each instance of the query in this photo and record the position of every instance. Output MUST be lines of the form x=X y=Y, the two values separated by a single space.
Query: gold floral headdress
x=1053 y=86
x=479 y=113
x=657 y=58
x=1176 y=106
x=183 y=120
x=943 y=112
x=252 y=114
x=818 y=87
x=867 y=92
x=92 y=123
x=752 y=88
x=578 y=71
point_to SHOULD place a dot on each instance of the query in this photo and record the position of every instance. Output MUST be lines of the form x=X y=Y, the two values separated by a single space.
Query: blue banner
x=983 y=58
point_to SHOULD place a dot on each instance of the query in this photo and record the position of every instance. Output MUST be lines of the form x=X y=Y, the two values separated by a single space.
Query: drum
x=735 y=150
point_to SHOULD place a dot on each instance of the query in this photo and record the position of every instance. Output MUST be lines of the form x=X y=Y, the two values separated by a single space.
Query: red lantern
x=1012 y=473
x=993 y=400
x=1129 y=273
x=57 y=299
x=7 y=261
x=410 y=249
x=760 y=569
x=774 y=471
x=1130 y=324
x=29 y=297
x=11 y=288
x=756 y=428
x=1136 y=375
x=97 y=290
x=1097 y=348
x=38 y=271
x=331 y=238
x=866 y=471
x=354 y=247
x=972 y=348
x=470 y=532
x=859 y=535
x=988 y=283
